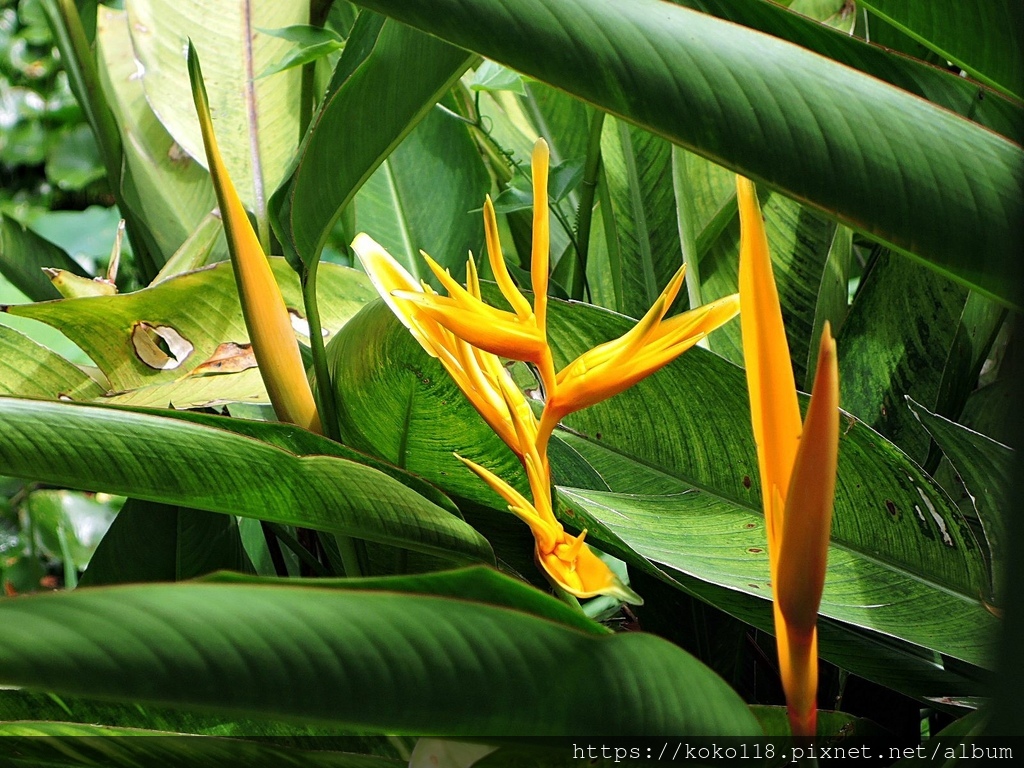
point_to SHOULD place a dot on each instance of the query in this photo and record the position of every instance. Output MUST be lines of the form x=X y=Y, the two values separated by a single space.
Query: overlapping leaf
x=384 y=661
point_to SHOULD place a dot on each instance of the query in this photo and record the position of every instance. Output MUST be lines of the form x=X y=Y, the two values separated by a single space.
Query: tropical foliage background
x=138 y=452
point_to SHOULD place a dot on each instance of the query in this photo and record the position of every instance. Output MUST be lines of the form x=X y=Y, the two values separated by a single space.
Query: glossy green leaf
x=23 y=256
x=401 y=72
x=31 y=370
x=384 y=661
x=985 y=41
x=400 y=206
x=986 y=469
x=161 y=542
x=69 y=525
x=170 y=189
x=202 y=308
x=932 y=184
x=879 y=58
x=257 y=120
x=721 y=542
x=59 y=744
x=897 y=341
x=32 y=706
x=638 y=170
x=175 y=462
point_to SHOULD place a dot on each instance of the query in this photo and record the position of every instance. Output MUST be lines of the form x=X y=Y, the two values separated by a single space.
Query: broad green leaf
x=58 y=744
x=931 y=183
x=897 y=340
x=986 y=469
x=257 y=120
x=380 y=660
x=29 y=369
x=985 y=41
x=691 y=422
x=401 y=208
x=26 y=705
x=170 y=189
x=201 y=311
x=23 y=256
x=175 y=462
x=638 y=169
x=721 y=542
x=878 y=58
x=402 y=73
x=161 y=542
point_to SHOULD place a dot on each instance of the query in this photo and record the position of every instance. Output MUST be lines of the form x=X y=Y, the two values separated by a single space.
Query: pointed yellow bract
x=263 y=307
x=797 y=464
x=467 y=335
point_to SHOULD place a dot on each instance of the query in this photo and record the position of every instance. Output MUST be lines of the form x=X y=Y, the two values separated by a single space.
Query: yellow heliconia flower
x=266 y=316
x=797 y=464
x=468 y=335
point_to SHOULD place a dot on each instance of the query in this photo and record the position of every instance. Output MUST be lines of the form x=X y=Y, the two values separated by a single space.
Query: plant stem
x=353 y=555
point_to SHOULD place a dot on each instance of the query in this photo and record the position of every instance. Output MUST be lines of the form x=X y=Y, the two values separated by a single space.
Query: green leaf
x=986 y=41
x=74 y=161
x=879 y=58
x=389 y=662
x=931 y=184
x=160 y=542
x=169 y=188
x=494 y=77
x=638 y=169
x=29 y=369
x=402 y=73
x=30 y=706
x=986 y=469
x=715 y=540
x=202 y=309
x=191 y=465
x=400 y=206
x=257 y=120
x=24 y=254
x=58 y=744
x=70 y=525
x=311 y=43
x=897 y=340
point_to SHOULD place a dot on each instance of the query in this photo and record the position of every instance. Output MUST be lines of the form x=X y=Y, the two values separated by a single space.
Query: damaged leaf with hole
x=160 y=346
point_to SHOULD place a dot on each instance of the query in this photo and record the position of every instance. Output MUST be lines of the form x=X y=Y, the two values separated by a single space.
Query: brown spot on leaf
x=746 y=482
x=889 y=505
x=229 y=357
x=755 y=550
x=160 y=346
